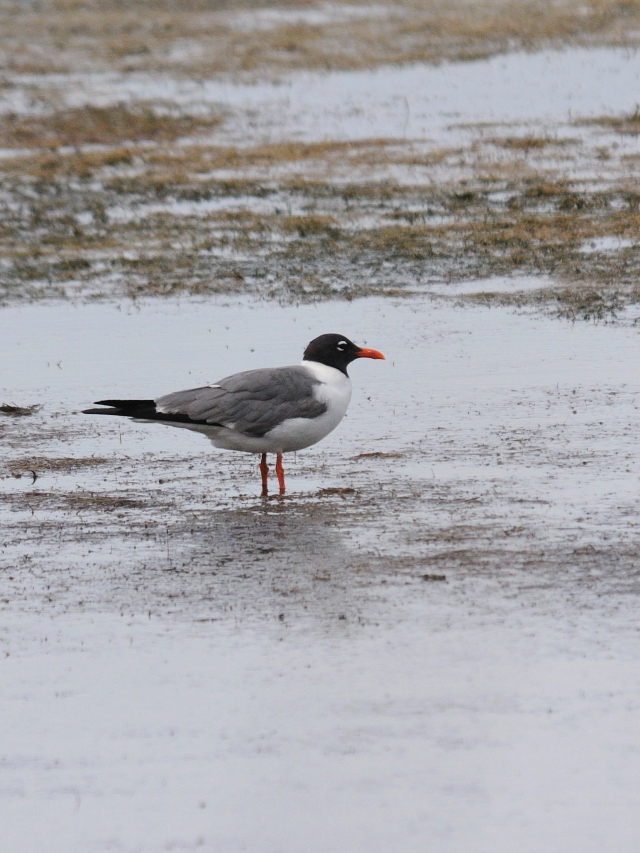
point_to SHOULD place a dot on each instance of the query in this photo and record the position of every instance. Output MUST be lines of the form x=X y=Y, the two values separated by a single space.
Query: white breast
x=334 y=389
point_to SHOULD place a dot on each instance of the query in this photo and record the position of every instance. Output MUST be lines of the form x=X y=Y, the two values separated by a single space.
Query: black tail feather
x=101 y=412
x=144 y=410
x=125 y=408
x=128 y=404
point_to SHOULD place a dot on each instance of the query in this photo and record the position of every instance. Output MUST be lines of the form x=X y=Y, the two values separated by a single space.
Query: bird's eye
x=342 y=345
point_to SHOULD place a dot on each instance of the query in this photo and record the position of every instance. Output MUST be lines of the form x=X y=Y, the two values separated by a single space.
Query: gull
x=270 y=410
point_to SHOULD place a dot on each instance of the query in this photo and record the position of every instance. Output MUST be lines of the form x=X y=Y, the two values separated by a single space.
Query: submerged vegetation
x=99 y=125
x=297 y=222
x=145 y=197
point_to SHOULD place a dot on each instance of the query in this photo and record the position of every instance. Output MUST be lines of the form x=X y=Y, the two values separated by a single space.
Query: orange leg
x=280 y=473
x=264 y=471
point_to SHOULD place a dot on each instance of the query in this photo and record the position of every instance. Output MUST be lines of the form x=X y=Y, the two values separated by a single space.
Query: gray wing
x=252 y=403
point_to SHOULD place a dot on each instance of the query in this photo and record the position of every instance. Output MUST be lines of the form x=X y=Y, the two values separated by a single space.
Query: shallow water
x=201 y=669
x=396 y=102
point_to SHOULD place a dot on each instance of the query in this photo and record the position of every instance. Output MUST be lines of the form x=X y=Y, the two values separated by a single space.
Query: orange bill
x=369 y=353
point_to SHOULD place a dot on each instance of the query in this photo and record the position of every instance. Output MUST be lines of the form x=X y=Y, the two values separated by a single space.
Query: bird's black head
x=337 y=351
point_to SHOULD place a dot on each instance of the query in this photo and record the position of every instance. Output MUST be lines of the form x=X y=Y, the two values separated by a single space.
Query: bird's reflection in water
x=277 y=556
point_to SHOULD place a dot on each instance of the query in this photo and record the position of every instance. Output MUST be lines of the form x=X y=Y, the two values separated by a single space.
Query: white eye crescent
x=342 y=345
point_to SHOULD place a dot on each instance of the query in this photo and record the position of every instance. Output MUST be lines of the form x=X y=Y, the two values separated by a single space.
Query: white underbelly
x=298 y=433
x=225 y=439
x=294 y=434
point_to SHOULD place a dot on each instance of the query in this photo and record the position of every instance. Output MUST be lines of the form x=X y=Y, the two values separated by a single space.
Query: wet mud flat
x=442 y=609
x=452 y=454
x=431 y=642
